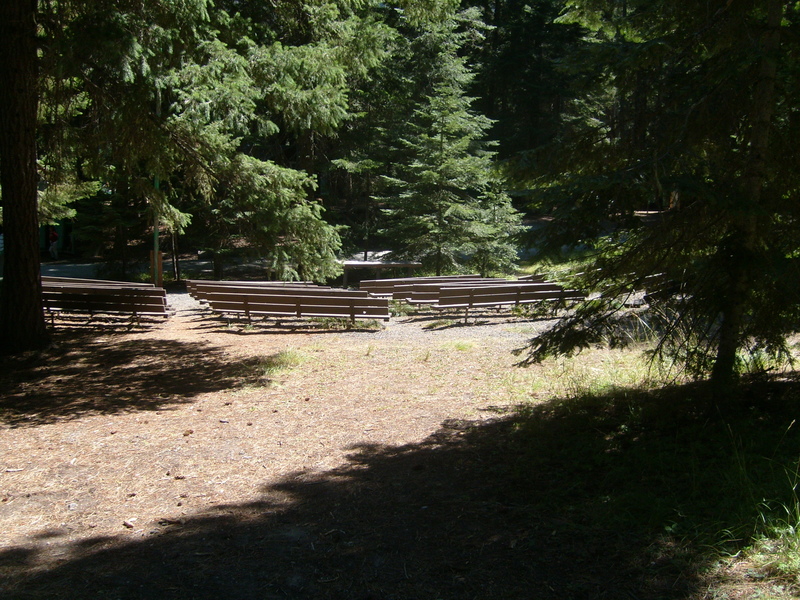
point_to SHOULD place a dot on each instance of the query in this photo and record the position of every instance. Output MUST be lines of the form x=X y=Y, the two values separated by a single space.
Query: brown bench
x=52 y=279
x=428 y=293
x=104 y=298
x=298 y=303
x=386 y=287
x=198 y=289
x=500 y=295
x=531 y=279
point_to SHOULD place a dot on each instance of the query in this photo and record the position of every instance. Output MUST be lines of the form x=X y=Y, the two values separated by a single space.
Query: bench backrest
x=387 y=286
x=202 y=292
x=358 y=305
x=79 y=280
x=110 y=299
x=193 y=285
x=532 y=278
x=497 y=295
x=422 y=293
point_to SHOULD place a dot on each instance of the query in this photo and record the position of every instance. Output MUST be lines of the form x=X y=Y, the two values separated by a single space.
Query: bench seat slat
x=83 y=281
x=387 y=286
x=475 y=297
x=104 y=297
x=329 y=305
x=281 y=291
x=192 y=285
x=284 y=310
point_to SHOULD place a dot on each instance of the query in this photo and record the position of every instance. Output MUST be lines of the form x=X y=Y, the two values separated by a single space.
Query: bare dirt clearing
x=120 y=436
x=191 y=459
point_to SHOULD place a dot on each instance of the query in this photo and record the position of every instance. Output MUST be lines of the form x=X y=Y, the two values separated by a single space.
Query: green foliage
x=178 y=106
x=519 y=83
x=219 y=120
x=685 y=113
x=269 y=204
x=667 y=464
x=444 y=205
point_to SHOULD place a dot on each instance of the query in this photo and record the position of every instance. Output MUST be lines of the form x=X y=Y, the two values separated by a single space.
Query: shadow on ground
x=86 y=375
x=606 y=497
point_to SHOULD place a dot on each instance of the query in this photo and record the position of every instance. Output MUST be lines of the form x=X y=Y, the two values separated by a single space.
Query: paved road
x=64 y=269
x=93 y=270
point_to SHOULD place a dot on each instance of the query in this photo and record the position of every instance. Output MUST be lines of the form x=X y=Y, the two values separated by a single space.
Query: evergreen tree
x=22 y=325
x=444 y=204
x=168 y=99
x=686 y=110
x=518 y=81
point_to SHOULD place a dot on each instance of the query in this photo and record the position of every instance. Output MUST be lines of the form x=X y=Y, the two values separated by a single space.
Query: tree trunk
x=22 y=324
x=218 y=265
x=745 y=239
x=176 y=265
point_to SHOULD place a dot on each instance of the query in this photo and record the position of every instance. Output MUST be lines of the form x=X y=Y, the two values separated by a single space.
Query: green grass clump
x=271 y=367
x=400 y=308
x=460 y=345
x=700 y=478
x=337 y=323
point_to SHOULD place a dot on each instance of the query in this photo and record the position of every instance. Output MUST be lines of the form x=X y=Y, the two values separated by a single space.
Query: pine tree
x=685 y=110
x=518 y=80
x=22 y=325
x=444 y=205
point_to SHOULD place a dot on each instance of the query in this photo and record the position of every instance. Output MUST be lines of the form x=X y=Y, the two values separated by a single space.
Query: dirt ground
x=176 y=460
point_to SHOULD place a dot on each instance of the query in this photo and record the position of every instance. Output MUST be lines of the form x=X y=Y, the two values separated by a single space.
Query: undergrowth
x=703 y=479
x=268 y=368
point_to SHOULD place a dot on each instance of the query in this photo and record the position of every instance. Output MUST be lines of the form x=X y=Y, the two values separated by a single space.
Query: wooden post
x=157 y=268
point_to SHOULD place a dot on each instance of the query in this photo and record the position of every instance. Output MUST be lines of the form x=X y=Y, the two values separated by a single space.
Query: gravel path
x=430 y=324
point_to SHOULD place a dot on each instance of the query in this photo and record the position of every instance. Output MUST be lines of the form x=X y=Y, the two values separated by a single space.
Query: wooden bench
x=198 y=289
x=52 y=279
x=386 y=287
x=428 y=293
x=105 y=298
x=531 y=279
x=507 y=294
x=298 y=303
x=659 y=287
x=499 y=295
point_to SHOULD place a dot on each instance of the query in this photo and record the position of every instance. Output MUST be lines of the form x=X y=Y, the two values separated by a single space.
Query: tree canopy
x=655 y=136
x=675 y=166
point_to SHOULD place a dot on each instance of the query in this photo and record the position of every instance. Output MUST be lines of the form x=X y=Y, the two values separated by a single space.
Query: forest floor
x=195 y=458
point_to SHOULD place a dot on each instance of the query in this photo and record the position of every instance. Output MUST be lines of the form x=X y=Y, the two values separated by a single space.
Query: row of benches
x=288 y=300
x=398 y=289
x=470 y=291
x=100 y=297
x=298 y=300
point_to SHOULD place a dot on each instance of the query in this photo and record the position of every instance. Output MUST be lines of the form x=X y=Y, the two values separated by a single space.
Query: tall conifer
x=444 y=204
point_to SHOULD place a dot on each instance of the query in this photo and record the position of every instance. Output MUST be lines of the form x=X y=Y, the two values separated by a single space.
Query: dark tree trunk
x=22 y=324
x=176 y=264
x=218 y=265
x=746 y=229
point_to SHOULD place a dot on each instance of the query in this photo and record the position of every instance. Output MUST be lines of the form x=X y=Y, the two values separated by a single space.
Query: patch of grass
x=436 y=324
x=460 y=345
x=399 y=308
x=346 y=324
x=596 y=372
x=559 y=267
x=268 y=368
x=776 y=552
x=704 y=479
x=283 y=360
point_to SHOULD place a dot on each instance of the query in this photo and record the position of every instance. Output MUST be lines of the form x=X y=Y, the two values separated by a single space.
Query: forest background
x=657 y=139
x=656 y=136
